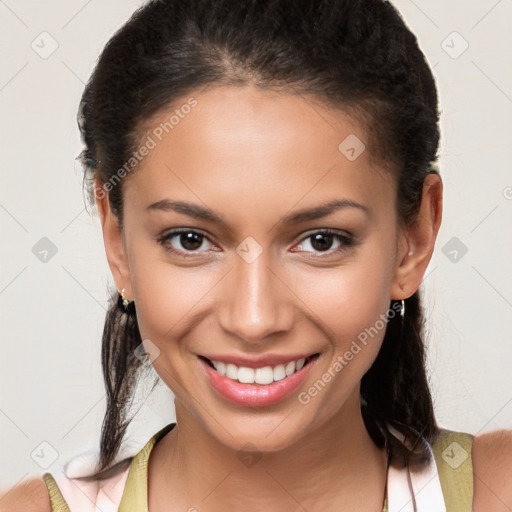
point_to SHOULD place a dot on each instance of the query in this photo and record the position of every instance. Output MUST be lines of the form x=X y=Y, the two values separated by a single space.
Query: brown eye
x=191 y=241
x=322 y=241
x=183 y=241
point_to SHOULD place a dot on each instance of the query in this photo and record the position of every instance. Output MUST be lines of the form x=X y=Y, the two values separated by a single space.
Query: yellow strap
x=452 y=452
x=135 y=494
x=56 y=499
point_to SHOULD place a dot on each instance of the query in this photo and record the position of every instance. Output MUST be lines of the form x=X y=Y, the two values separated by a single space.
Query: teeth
x=246 y=375
x=221 y=368
x=265 y=375
x=279 y=372
x=290 y=368
x=231 y=371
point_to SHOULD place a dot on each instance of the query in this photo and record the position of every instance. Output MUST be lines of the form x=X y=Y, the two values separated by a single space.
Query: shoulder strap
x=56 y=499
x=107 y=494
x=135 y=495
x=452 y=453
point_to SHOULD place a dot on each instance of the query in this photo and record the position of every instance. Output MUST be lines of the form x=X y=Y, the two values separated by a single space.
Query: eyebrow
x=200 y=212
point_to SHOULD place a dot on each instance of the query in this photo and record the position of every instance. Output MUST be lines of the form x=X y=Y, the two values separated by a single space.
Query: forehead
x=246 y=146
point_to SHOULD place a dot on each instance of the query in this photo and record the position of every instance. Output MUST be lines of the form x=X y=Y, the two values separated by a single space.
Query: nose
x=256 y=301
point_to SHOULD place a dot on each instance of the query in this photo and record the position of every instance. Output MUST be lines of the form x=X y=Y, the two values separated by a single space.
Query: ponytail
x=396 y=392
x=121 y=370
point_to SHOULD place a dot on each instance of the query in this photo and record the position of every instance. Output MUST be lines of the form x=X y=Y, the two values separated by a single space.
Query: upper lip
x=259 y=361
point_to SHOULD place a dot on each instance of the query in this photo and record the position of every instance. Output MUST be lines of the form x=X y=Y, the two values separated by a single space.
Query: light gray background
x=52 y=312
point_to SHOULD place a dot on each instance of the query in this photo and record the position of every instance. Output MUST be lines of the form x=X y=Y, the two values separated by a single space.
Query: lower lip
x=256 y=395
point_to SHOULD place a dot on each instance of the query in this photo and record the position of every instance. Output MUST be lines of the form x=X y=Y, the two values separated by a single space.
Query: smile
x=263 y=375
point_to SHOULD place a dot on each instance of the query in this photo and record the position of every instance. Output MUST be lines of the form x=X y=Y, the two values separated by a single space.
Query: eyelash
x=345 y=240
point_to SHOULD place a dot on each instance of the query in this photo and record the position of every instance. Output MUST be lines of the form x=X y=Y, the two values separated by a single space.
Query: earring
x=127 y=306
x=402 y=315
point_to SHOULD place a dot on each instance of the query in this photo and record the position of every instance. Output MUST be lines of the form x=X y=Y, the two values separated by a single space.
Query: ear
x=416 y=243
x=114 y=240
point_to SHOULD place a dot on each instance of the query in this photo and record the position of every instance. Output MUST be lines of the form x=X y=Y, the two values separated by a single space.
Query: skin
x=263 y=155
x=254 y=157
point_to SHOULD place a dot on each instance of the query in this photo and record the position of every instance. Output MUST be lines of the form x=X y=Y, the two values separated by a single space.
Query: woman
x=265 y=177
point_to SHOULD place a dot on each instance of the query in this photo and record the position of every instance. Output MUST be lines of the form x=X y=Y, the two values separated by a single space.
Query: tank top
x=444 y=485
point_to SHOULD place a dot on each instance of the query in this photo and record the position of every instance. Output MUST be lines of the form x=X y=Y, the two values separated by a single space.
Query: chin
x=261 y=435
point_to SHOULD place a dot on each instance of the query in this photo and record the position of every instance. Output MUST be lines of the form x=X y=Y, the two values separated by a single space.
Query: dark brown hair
x=354 y=55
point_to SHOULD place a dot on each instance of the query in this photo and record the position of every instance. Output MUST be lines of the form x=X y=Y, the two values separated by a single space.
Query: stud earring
x=126 y=305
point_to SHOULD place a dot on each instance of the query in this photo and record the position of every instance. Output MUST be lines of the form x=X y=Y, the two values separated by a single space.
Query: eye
x=322 y=241
x=190 y=240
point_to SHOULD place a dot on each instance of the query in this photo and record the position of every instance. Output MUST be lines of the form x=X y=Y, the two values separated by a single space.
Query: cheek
x=167 y=295
x=350 y=305
x=166 y=298
x=349 y=299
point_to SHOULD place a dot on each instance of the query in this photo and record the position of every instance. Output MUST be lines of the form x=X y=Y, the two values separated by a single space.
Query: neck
x=335 y=463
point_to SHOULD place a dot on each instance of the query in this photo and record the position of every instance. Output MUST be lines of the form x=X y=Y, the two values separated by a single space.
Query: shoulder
x=28 y=496
x=492 y=471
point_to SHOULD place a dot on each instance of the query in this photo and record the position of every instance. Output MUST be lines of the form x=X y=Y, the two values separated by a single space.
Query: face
x=253 y=284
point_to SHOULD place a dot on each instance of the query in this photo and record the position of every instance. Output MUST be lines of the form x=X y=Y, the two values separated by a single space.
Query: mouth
x=263 y=375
